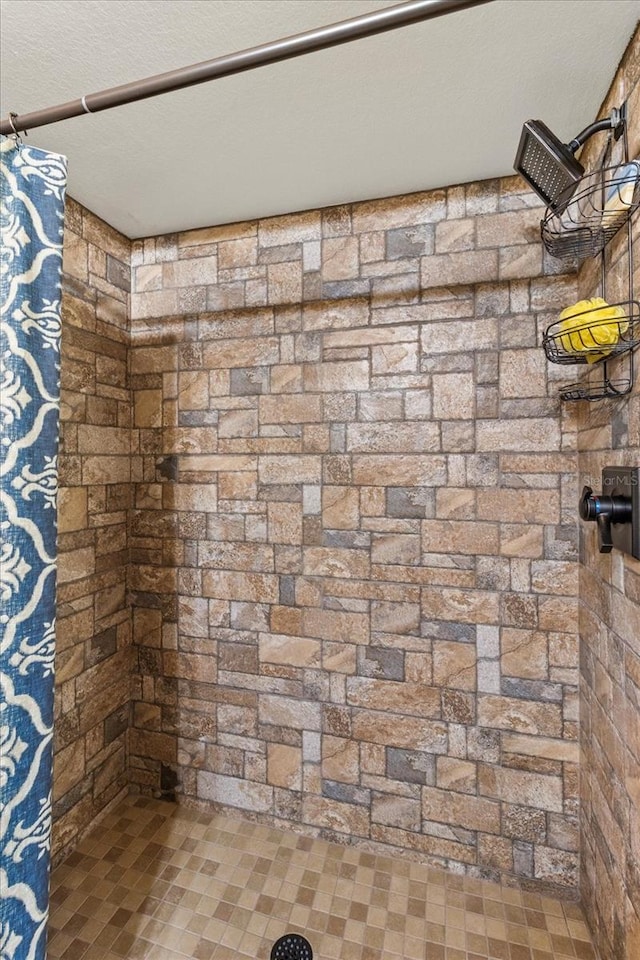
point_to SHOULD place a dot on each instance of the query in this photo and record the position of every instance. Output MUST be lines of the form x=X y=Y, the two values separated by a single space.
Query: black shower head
x=547 y=164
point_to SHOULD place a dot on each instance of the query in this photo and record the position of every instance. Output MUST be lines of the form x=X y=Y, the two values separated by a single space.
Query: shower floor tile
x=156 y=881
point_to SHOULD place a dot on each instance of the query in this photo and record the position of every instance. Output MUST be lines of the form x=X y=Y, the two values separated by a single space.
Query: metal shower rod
x=332 y=35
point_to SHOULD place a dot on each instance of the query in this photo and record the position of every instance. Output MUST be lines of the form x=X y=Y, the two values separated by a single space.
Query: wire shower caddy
x=581 y=225
x=588 y=217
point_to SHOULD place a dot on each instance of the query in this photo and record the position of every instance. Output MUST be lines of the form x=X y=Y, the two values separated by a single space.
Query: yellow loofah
x=591 y=324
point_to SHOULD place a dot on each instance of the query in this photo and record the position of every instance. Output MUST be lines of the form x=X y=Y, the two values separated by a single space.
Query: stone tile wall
x=609 y=435
x=352 y=613
x=94 y=629
x=353 y=537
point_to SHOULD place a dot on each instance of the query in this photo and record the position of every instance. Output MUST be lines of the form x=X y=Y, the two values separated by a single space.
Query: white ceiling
x=436 y=103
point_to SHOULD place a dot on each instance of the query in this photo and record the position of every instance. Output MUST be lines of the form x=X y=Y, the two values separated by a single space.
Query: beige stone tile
x=196 y=271
x=285 y=378
x=237 y=486
x=292 y=408
x=520 y=261
x=453 y=396
x=470 y=266
x=529 y=717
x=255 y=352
x=291 y=650
x=393 y=437
x=288 y=469
x=72 y=509
x=458 y=336
x=459 y=536
x=340 y=507
x=285 y=523
x=237 y=252
x=523 y=373
x=340 y=258
x=519 y=786
x=536 y=434
x=521 y=540
x=284 y=766
x=76 y=564
x=238 y=586
x=463 y=606
x=193 y=390
x=394 y=358
x=334 y=377
x=340 y=759
x=292 y=228
x=401 y=470
x=454 y=665
x=336 y=562
x=507 y=229
x=455 y=235
x=75 y=256
x=341 y=314
x=147 y=277
x=156 y=303
x=284 y=282
x=524 y=653
x=407 y=211
x=148 y=408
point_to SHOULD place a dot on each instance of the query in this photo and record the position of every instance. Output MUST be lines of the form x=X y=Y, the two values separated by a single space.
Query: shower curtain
x=33 y=185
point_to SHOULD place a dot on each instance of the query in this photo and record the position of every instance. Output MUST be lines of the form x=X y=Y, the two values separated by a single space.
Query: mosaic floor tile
x=157 y=881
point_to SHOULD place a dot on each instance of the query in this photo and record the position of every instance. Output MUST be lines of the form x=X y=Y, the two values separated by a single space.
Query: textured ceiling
x=427 y=105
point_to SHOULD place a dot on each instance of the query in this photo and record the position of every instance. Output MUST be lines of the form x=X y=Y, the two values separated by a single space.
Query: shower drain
x=291 y=947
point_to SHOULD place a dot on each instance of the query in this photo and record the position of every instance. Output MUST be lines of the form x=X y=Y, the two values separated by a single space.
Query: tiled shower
x=320 y=567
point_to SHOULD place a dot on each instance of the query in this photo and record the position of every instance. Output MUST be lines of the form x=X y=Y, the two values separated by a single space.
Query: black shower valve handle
x=605 y=540
x=605 y=511
x=586 y=506
x=590 y=509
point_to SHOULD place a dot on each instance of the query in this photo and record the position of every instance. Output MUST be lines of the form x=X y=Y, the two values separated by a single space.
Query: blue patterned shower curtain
x=33 y=186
